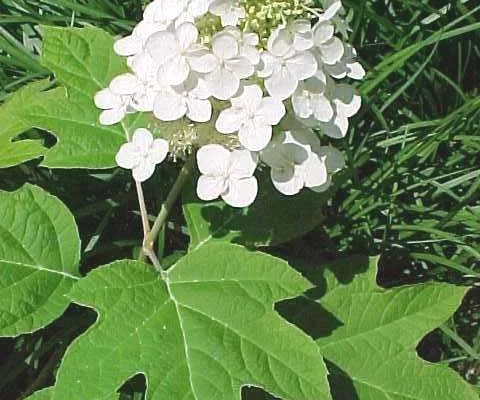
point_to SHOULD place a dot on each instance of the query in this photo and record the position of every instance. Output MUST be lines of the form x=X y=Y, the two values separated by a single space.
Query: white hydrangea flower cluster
x=259 y=76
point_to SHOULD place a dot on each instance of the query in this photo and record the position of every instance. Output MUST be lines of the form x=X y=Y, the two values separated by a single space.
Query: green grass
x=413 y=154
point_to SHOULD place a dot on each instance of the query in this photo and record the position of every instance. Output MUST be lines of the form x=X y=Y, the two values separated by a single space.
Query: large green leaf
x=39 y=255
x=84 y=62
x=272 y=219
x=374 y=334
x=204 y=331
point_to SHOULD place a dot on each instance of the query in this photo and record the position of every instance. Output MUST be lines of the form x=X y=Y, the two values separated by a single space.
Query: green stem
x=167 y=206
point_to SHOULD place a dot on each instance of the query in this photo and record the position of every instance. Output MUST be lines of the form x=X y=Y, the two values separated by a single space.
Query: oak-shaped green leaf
x=83 y=62
x=202 y=332
x=375 y=333
x=271 y=220
x=39 y=256
x=13 y=123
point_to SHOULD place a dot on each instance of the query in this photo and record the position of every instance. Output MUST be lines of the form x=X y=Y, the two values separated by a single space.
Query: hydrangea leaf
x=375 y=333
x=39 y=256
x=12 y=124
x=84 y=62
x=272 y=219
x=202 y=332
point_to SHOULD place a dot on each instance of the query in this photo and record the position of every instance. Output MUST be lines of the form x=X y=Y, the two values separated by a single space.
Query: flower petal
x=213 y=160
x=356 y=71
x=273 y=110
x=143 y=171
x=249 y=99
x=187 y=34
x=201 y=60
x=254 y=136
x=169 y=106
x=303 y=65
x=158 y=151
x=322 y=108
x=337 y=128
x=107 y=100
x=199 y=110
x=125 y=84
x=347 y=102
x=225 y=46
x=113 y=116
x=210 y=187
x=281 y=84
x=241 y=193
x=243 y=164
x=332 y=51
x=241 y=67
x=128 y=46
x=286 y=181
x=230 y=120
x=334 y=158
x=163 y=46
x=223 y=84
x=175 y=72
x=322 y=32
x=142 y=138
x=127 y=157
x=314 y=171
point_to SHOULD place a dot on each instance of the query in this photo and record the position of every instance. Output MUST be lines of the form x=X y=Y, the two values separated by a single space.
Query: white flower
x=190 y=99
x=346 y=103
x=191 y=10
x=163 y=12
x=142 y=154
x=297 y=35
x=177 y=53
x=133 y=44
x=227 y=174
x=347 y=66
x=247 y=42
x=125 y=94
x=283 y=67
x=252 y=116
x=309 y=101
x=294 y=163
x=224 y=80
x=330 y=48
x=229 y=11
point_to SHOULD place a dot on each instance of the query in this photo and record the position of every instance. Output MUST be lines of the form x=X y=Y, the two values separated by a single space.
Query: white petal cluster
x=241 y=85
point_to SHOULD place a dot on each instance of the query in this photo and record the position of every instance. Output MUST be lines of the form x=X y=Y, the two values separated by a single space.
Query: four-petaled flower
x=142 y=154
x=125 y=94
x=177 y=53
x=252 y=116
x=294 y=163
x=189 y=98
x=229 y=11
x=283 y=66
x=226 y=174
x=230 y=66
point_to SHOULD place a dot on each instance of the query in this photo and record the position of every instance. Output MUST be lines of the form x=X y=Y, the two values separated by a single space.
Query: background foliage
x=411 y=192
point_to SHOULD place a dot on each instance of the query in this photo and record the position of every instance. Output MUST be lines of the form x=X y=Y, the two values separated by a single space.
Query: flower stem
x=167 y=206
x=143 y=209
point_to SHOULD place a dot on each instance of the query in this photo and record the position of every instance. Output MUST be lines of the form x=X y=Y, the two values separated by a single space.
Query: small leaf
x=12 y=124
x=375 y=335
x=39 y=256
x=271 y=220
x=202 y=333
